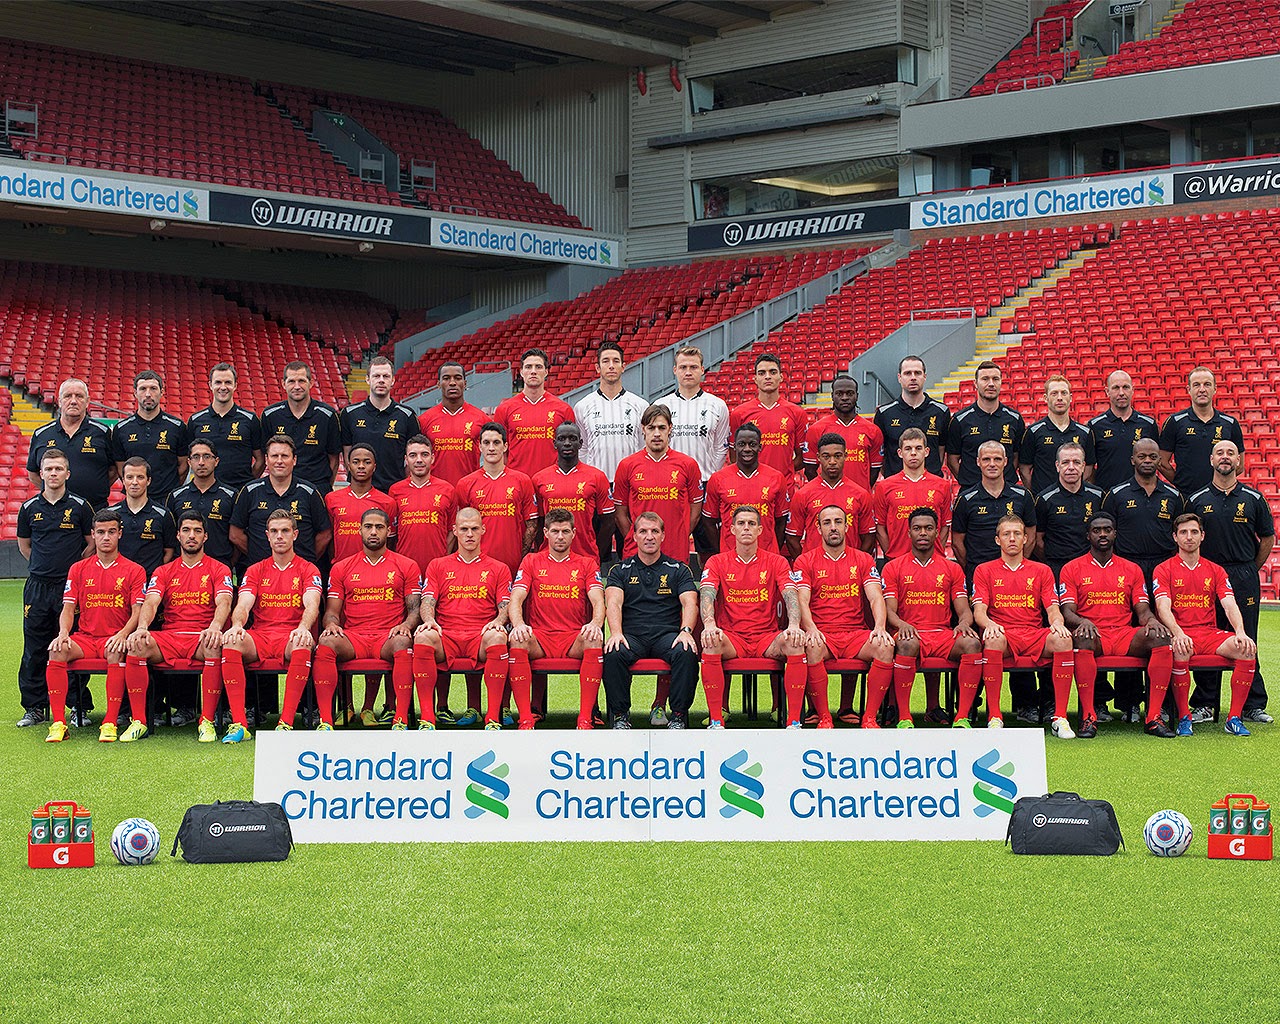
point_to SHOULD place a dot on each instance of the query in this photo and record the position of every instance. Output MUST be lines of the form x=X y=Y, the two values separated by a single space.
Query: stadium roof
x=463 y=36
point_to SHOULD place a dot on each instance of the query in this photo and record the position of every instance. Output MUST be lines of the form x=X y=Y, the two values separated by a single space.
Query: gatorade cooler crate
x=1240 y=828
x=61 y=836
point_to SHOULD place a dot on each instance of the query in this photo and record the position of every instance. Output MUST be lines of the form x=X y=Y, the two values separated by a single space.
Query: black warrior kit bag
x=233 y=832
x=1063 y=823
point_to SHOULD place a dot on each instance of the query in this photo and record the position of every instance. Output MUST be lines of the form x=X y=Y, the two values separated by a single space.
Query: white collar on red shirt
x=652 y=459
x=282 y=568
x=830 y=487
x=924 y=565
x=1199 y=559
x=745 y=561
x=567 y=555
x=378 y=562
x=466 y=561
x=570 y=472
x=844 y=553
x=426 y=483
x=108 y=565
x=1014 y=568
x=1101 y=565
x=454 y=412
x=538 y=402
x=747 y=476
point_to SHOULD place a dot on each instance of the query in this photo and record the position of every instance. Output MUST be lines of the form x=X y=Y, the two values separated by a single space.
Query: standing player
x=531 y=417
x=830 y=488
x=557 y=611
x=453 y=428
x=610 y=416
x=914 y=408
x=781 y=423
x=836 y=586
x=1012 y=597
x=280 y=488
x=1115 y=431
x=147 y=533
x=371 y=612
x=464 y=615
x=1239 y=533
x=380 y=422
x=106 y=590
x=312 y=424
x=699 y=421
x=195 y=594
x=897 y=497
x=745 y=482
x=921 y=591
x=1037 y=459
x=580 y=489
x=658 y=479
x=214 y=501
x=283 y=593
x=1188 y=437
x=863 y=440
x=987 y=419
x=1100 y=593
x=504 y=498
x=347 y=507
x=152 y=434
x=54 y=528
x=424 y=505
x=234 y=431
x=739 y=598
x=1185 y=588
x=85 y=443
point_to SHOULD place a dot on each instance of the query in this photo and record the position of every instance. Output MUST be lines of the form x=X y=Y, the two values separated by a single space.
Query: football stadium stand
x=1205 y=32
x=351 y=322
x=644 y=309
x=1039 y=59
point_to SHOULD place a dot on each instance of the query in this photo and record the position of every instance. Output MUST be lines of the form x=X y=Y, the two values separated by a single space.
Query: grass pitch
x=856 y=931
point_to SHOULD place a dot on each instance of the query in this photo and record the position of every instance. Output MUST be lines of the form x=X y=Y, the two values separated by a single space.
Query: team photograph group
x=620 y=536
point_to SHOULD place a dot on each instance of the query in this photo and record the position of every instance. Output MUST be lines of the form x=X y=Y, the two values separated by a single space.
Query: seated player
x=195 y=593
x=371 y=612
x=1100 y=593
x=835 y=581
x=1185 y=587
x=282 y=593
x=464 y=615
x=921 y=591
x=739 y=597
x=1012 y=598
x=554 y=591
x=106 y=589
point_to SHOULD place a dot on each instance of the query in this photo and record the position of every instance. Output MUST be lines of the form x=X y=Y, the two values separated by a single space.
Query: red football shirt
x=766 y=489
x=782 y=426
x=345 y=510
x=531 y=430
x=668 y=486
x=557 y=590
x=748 y=594
x=583 y=491
x=373 y=593
x=467 y=594
x=1106 y=595
x=506 y=503
x=895 y=498
x=863 y=446
x=837 y=587
x=189 y=592
x=104 y=594
x=424 y=517
x=1016 y=598
x=455 y=439
x=924 y=590
x=1192 y=591
x=278 y=593
x=816 y=495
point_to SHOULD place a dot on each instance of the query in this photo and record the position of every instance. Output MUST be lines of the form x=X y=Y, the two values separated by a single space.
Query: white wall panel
x=979 y=33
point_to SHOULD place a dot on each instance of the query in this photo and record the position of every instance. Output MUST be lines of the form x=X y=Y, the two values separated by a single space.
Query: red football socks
x=1180 y=681
x=295 y=681
x=904 y=678
x=1063 y=669
x=136 y=678
x=402 y=682
x=115 y=696
x=879 y=678
x=234 y=681
x=794 y=678
x=424 y=682
x=1086 y=678
x=968 y=679
x=589 y=678
x=1160 y=670
x=713 y=686
x=325 y=675
x=1241 y=680
x=56 y=677
x=816 y=688
x=992 y=679
x=495 y=680
x=210 y=688
x=520 y=676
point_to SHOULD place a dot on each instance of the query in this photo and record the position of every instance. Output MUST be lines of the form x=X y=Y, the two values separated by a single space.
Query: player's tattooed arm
x=791 y=601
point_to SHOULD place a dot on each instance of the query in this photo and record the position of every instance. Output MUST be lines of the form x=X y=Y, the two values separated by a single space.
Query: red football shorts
x=846 y=643
x=1115 y=642
x=556 y=643
x=460 y=646
x=93 y=646
x=936 y=643
x=367 y=642
x=176 y=646
x=1026 y=641
x=750 y=645
x=1206 y=638
x=269 y=643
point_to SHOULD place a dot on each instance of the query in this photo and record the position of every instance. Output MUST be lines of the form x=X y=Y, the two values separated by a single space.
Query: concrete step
x=27 y=415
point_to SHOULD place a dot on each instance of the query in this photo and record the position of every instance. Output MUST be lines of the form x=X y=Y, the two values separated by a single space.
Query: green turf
x=626 y=932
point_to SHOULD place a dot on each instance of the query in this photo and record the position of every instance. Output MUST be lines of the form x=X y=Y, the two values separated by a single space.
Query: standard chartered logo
x=1155 y=193
x=741 y=789
x=487 y=791
x=995 y=788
